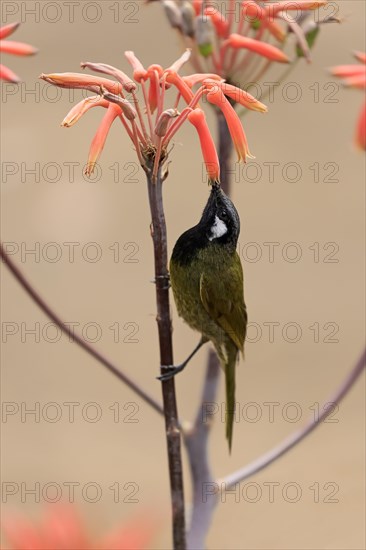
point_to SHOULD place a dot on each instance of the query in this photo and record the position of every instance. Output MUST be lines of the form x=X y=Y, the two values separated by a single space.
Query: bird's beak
x=211 y=203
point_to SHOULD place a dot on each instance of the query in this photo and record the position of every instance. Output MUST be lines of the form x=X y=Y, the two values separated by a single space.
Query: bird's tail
x=230 y=366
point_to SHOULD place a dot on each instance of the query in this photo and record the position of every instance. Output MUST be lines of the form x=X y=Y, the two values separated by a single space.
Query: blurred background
x=301 y=203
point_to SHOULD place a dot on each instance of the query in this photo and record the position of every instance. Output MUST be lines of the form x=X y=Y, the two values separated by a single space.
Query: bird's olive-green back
x=208 y=292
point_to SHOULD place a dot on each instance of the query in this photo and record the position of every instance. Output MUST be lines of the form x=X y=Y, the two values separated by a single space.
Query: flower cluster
x=224 y=40
x=151 y=126
x=355 y=77
x=61 y=529
x=15 y=48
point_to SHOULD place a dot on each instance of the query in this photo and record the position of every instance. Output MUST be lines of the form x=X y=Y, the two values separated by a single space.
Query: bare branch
x=271 y=456
x=73 y=336
x=196 y=442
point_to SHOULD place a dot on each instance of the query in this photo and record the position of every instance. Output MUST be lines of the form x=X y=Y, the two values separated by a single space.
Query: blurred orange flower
x=355 y=77
x=234 y=38
x=62 y=529
x=15 y=48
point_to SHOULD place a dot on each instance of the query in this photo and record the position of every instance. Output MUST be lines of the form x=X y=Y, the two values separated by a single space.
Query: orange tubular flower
x=355 y=76
x=294 y=5
x=237 y=94
x=266 y=50
x=100 y=137
x=198 y=119
x=15 y=48
x=152 y=126
x=242 y=97
x=81 y=108
x=216 y=97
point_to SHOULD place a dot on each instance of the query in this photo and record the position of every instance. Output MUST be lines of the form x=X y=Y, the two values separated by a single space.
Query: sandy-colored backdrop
x=306 y=287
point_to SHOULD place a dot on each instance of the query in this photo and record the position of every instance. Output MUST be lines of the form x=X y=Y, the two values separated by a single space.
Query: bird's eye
x=223 y=214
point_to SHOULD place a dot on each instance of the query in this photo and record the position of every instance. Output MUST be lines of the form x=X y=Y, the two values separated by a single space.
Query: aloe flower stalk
x=149 y=123
x=14 y=48
x=354 y=76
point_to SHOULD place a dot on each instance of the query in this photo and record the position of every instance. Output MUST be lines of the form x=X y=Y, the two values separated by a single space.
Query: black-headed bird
x=207 y=280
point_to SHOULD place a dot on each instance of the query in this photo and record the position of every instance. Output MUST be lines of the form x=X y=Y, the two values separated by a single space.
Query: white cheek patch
x=218 y=229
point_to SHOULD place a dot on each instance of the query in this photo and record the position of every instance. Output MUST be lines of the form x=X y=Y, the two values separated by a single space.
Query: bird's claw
x=172 y=371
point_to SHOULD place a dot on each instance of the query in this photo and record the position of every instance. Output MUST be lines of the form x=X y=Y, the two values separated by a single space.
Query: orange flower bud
x=294 y=5
x=163 y=121
x=344 y=71
x=119 y=75
x=261 y=48
x=8 y=75
x=17 y=48
x=82 y=81
x=125 y=105
x=7 y=30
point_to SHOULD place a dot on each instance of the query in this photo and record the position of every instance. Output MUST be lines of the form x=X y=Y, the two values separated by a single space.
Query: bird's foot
x=171 y=371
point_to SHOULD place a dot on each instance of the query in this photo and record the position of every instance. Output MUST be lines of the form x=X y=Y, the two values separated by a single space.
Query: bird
x=206 y=277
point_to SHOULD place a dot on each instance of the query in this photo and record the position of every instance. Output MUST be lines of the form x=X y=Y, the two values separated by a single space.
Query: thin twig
x=73 y=336
x=159 y=236
x=265 y=460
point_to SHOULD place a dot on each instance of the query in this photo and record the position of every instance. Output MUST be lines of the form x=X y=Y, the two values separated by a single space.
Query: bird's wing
x=224 y=301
